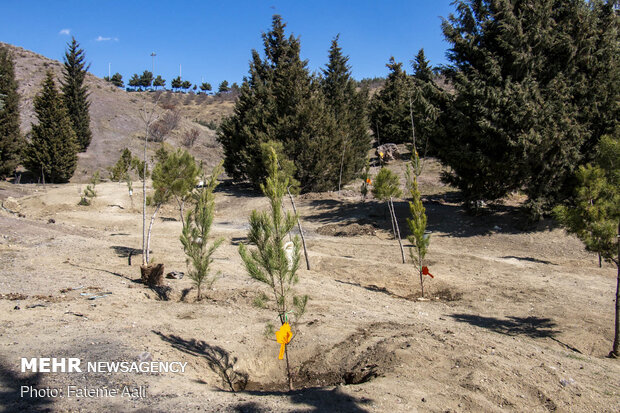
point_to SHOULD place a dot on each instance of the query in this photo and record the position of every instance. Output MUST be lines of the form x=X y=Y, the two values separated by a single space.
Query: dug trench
x=368 y=353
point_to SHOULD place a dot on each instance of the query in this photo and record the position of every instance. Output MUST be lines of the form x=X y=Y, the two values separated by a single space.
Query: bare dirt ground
x=517 y=321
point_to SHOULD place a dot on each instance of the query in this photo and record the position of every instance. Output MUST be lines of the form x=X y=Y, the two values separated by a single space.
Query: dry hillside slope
x=115 y=120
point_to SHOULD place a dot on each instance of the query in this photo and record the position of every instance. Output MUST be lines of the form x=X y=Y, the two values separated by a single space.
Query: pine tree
x=389 y=109
x=275 y=262
x=196 y=229
x=205 y=87
x=10 y=136
x=52 y=152
x=176 y=83
x=280 y=101
x=117 y=80
x=146 y=79
x=223 y=87
x=75 y=93
x=159 y=81
x=134 y=82
x=348 y=107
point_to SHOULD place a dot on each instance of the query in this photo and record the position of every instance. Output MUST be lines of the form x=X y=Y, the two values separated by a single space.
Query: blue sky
x=212 y=40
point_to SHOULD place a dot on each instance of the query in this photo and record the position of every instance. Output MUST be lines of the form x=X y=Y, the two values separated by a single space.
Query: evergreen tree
x=275 y=261
x=205 y=87
x=422 y=70
x=159 y=81
x=389 y=109
x=146 y=79
x=196 y=229
x=176 y=83
x=186 y=85
x=280 y=101
x=134 y=82
x=10 y=136
x=52 y=152
x=536 y=87
x=120 y=171
x=223 y=87
x=116 y=79
x=426 y=101
x=349 y=108
x=75 y=93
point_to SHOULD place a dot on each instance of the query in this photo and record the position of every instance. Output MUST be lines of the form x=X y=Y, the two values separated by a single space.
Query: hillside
x=115 y=120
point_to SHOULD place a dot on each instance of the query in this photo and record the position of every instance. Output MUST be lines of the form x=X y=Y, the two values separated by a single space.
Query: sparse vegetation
x=89 y=192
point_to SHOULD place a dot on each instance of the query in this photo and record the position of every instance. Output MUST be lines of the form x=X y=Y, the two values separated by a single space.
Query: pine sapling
x=89 y=192
x=386 y=188
x=195 y=235
x=275 y=261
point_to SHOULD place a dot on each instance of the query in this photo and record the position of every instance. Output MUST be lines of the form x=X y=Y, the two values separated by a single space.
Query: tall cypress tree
x=52 y=152
x=280 y=101
x=75 y=93
x=389 y=109
x=427 y=102
x=10 y=136
x=349 y=108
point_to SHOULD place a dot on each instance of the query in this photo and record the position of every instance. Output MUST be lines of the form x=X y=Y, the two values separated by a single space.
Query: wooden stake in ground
x=301 y=231
x=397 y=234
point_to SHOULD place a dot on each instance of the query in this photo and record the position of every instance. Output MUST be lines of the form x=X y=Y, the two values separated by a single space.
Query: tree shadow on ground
x=319 y=399
x=239 y=189
x=444 y=216
x=219 y=360
x=529 y=259
x=535 y=327
x=136 y=280
x=10 y=392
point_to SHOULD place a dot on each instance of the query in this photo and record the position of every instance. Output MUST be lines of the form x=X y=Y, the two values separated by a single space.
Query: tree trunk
x=341 y=166
x=301 y=231
x=391 y=219
x=288 y=370
x=148 y=238
x=145 y=249
x=402 y=250
x=615 y=351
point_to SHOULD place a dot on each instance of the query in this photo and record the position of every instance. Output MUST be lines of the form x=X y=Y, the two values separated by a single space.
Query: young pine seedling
x=275 y=260
x=195 y=235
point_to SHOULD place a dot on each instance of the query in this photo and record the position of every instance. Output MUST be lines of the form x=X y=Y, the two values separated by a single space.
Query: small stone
x=16 y=308
x=423 y=400
x=51 y=221
x=567 y=382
